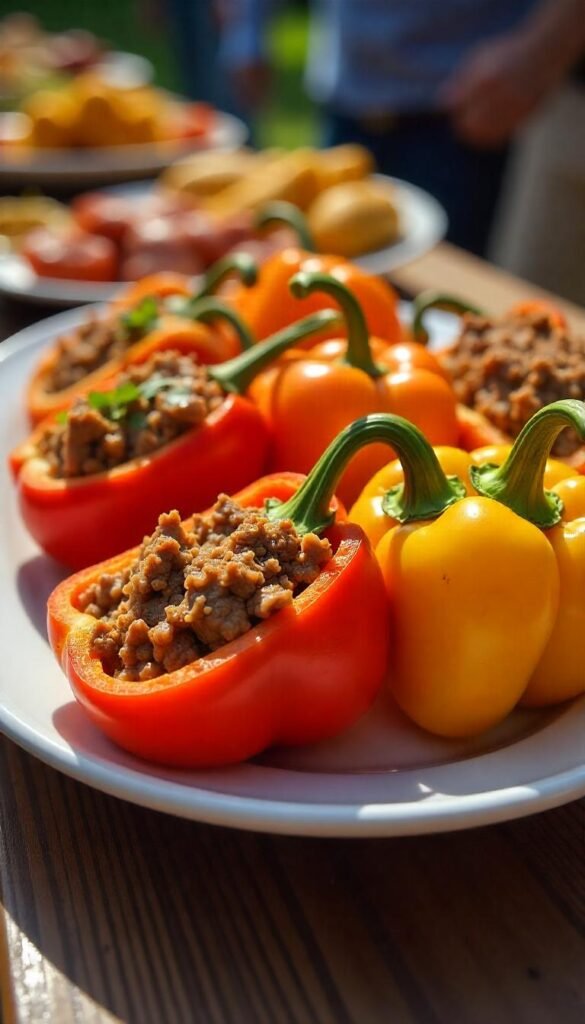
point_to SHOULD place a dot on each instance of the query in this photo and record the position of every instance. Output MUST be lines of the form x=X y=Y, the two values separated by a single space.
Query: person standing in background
x=435 y=90
x=540 y=230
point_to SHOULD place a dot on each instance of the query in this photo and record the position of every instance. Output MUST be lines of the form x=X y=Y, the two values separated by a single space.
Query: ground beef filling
x=178 y=395
x=511 y=369
x=86 y=349
x=191 y=591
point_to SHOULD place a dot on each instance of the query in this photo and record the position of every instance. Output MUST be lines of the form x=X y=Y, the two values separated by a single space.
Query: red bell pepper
x=85 y=519
x=301 y=676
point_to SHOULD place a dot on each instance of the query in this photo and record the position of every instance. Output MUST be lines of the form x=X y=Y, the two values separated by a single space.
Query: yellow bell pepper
x=555 y=471
x=368 y=510
x=560 y=673
x=473 y=587
x=473 y=599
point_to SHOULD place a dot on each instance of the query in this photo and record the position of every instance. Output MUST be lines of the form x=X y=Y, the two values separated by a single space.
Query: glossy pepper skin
x=473 y=599
x=86 y=519
x=473 y=588
x=307 y=401
x=301 y=676
x=188 y=332
x=521 y=483
x=269 y=306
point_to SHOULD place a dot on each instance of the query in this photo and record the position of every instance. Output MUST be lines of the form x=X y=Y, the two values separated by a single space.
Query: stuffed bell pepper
x=157 y=312
x=168 y=429
x=260 y=622
x=506 y=368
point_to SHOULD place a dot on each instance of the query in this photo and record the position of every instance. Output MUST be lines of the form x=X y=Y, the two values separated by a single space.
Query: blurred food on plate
x=30 y=57
x=123 y=237
x=349 y=211
x=91 y=111
x=20 y=215
x=205 y=206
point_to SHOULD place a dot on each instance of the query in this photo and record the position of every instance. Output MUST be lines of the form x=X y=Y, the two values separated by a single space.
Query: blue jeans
x=424 y=150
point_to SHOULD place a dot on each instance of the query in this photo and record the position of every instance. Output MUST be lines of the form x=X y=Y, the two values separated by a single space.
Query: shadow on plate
x=35 y=581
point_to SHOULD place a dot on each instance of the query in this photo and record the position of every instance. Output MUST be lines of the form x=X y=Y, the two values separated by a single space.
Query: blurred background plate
x=423 y=223
x=85 y=168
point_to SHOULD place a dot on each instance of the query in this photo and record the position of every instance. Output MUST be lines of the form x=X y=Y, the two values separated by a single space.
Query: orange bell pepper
x=308 y=400
x=256 y=691
x=157 y=286
x=268 y=307
x=85 y=519
x=161 y=324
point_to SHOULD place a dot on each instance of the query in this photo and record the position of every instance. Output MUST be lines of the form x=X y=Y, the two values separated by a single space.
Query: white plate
x=423 y=224
x=383 y=777
x=85 y=168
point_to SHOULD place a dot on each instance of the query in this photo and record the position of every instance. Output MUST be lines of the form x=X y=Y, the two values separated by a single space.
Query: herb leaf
x=142 y=318
x=151 y=387
x=114 y=404
x=61 y=417
x=122 y=395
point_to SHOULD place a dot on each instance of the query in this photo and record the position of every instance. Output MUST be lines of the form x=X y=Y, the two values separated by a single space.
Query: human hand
x=496 y=87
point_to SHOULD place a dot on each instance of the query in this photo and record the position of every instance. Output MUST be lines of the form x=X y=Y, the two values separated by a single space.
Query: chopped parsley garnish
x=142 y=318
x=115 y=404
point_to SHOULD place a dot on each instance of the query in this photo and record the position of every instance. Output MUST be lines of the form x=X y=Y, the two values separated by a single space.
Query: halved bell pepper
x=476 y=428
x=268 y=307
x=520 y=484
x=454 y=304
x=308 y=400
x=84 y=519
x=177 y=325
x=473 y=588
x=303 y=675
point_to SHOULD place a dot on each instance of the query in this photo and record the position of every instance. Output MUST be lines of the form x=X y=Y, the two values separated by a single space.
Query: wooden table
x=112 y=912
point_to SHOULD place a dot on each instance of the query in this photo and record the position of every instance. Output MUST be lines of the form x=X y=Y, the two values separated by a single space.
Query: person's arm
x=503 y=81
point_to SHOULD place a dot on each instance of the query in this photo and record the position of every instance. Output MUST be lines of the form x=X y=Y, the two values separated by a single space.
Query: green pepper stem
x=280 y=212
x=436 y=300
x=519 y=482
x=236 y=374
x=358 y=338
x=212 y=308
x=425 y=493
x=239 y=263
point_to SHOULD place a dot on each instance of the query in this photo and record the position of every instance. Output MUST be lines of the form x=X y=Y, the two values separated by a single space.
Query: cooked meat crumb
x=95 y=439
x=511 y=368
x=191 y=591
x=87 y=348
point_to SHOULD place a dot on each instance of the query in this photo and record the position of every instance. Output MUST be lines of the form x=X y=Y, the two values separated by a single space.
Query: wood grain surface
x=112 y=912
